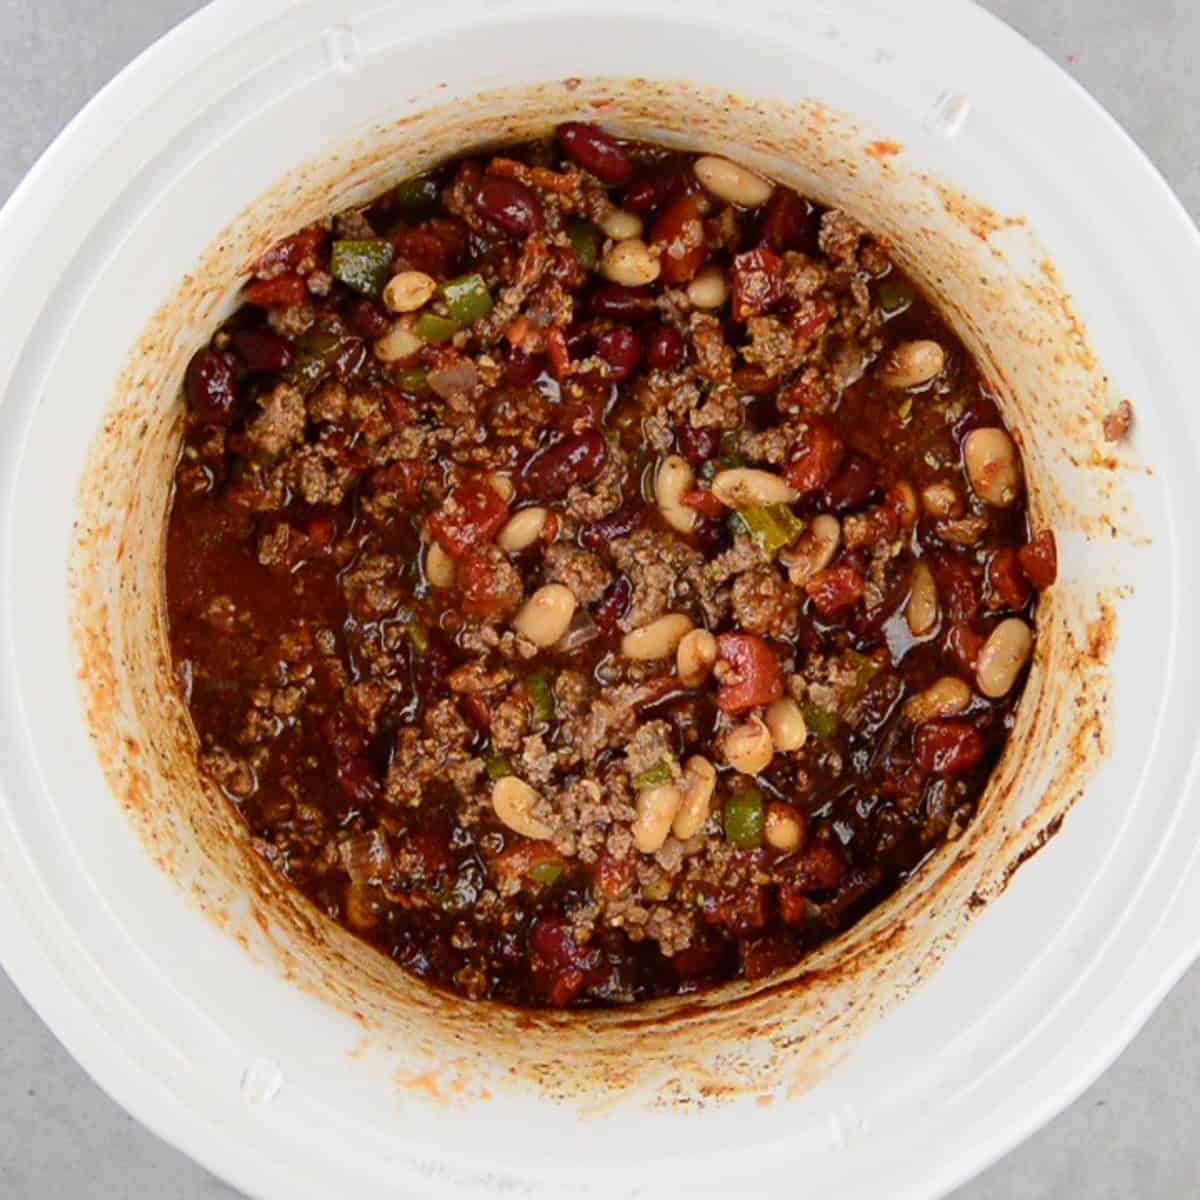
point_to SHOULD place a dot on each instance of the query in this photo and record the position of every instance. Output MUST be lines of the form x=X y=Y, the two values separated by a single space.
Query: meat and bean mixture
x=595 y=572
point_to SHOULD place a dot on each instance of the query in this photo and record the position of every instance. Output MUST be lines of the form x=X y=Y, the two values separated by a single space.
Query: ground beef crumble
x=501 y=784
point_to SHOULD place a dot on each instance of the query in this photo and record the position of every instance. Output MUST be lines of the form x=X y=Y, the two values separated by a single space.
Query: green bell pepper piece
x=412 y=380
x=744 y=818
x=434 y=329
x=417 y=196
x=467 y=298
x=541 y=695
x=773 y=526
x=894 y=297
x=728 y=451
x=822 y=721
x=364 y=266
x=316 y=352
x=545 y=873
x=659 y=773
x=585 y=241
x=498 y=767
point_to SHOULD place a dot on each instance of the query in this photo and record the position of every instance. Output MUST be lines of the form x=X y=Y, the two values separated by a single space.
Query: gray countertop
x=1132 y=1134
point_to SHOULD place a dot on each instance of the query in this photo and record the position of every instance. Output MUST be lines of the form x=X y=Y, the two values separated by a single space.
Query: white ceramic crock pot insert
x=261 y=1082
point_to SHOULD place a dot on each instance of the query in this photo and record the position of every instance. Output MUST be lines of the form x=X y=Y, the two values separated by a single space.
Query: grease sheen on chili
x=580 y=621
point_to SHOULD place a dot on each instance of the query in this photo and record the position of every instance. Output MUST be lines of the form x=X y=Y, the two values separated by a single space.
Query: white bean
x=907 y=509
x=814 y=549
x=439 y=567
x=732 y=183
x=709 y=289
x=502 y=485
x=656 y=809
x=546 y=615
x=945 y=697
x=397 y=344
x=522 y=529
x=783 y=827
x=922 y=610
x=673 y=479
x=699 y=783
x=748 y=747
x=992 y=466
x=1003 y=655
x=408 y=291
x=630 y=264
x=513 y=802
x=658 y=639
x=621 y=225
x=695 y=657
x=912 y=364
x=786 y=723
x=745 y=487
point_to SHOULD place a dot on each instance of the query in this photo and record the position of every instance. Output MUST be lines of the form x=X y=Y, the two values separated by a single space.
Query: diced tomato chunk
x=757 y=282
x=561 y=969
x=947 y=747
x=469 y=517
x=1039 y=559
x=815 y=459
x=283 y=291
x=836 y=589
x=703 y=502
x=759 y=679
x=810 y=318
x=483 y=592
x=763 y=956
x=680 y=233
x=742 y=911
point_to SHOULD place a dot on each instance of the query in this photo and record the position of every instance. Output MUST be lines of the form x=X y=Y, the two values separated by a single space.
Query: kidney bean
x=554 y=470
x=853 y=486
x=816 y=457
x=367 y=319
x=680 y=231
x=1039 y=559
x=596 y=151
x=963 y=644
x=291 y=252
x=835 y=589
x=521 y=369
x=982 y=414
x=664 y=348
x=613 y=605
x=656 y=186
x=511 y=205
x=947 y=747
x=712 y=537
x=698 y=443
x=1007 y=586
x=785 y=223
x=957 y=588
x=597 y=536
x=621 y=349
x=210 y=390
x=283 y=290
x=621 y=303
x=471 y=515
x=757 y=282
x=759 y=679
